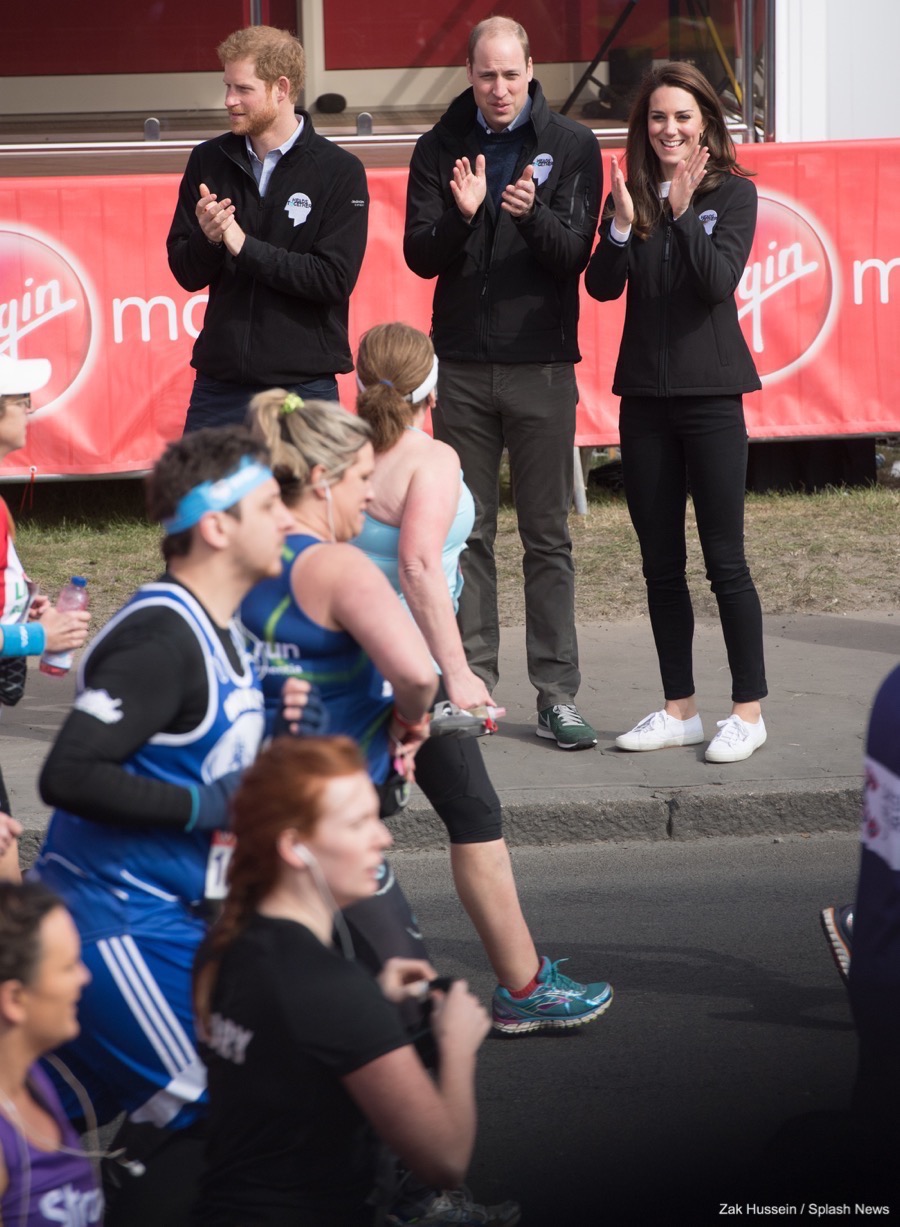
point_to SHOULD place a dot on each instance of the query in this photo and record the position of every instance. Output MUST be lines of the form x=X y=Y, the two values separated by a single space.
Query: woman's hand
x=405 y=979
x=64 y=631
x=467 y=690
x=686 y=179
x=459 y=1020
x=405 y=740
x=621 y=196
x=294 y=697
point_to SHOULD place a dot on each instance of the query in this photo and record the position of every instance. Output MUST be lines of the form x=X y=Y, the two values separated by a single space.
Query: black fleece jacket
x=277 y=313
x=507 y=290
x=681 y=335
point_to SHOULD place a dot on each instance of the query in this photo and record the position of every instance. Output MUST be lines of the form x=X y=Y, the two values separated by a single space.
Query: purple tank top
x=47 y=1186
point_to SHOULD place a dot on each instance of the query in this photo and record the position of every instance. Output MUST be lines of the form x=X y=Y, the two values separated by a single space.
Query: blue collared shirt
x=522 y=118
x=262 y=170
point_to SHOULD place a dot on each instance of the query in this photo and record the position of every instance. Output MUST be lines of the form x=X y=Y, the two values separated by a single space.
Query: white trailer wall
x=837 y=69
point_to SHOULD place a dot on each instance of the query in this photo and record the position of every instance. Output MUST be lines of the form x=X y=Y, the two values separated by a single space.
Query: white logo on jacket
x=709 y=218
x=543 y=166
x=298 y=207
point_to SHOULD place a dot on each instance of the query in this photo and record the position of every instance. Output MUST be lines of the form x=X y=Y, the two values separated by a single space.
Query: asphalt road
x=729 y=1024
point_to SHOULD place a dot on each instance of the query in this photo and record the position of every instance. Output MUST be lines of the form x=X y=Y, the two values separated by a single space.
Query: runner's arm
x=148 y=676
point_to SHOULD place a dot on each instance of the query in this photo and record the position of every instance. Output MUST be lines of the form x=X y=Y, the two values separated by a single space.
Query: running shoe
x=455 y=1206
x=736 y=740
x=557 y=1003
x=837 y=925
x=660 y=731
x=562 y=724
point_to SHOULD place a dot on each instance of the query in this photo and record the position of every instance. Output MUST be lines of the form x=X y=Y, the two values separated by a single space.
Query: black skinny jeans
x=670 y=445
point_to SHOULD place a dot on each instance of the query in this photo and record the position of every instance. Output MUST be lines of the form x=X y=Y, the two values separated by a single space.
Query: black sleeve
x=146 y=676
x=559 y=231
x=607 y=271
x=715 y=262
x=435 y=232
x=193 y=259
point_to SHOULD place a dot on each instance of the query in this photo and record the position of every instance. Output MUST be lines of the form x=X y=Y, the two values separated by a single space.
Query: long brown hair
x=281 y=791
x=642 y=164
x=393 y=360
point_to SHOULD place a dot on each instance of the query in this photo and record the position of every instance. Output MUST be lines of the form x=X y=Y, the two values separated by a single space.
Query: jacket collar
x=236 y=146
x=460 y=118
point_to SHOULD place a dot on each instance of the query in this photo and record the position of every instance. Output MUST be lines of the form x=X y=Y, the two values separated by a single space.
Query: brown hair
x=301 y=434
x=393 y=360
x=275 y=53
x=281 y=791
x=642 y=164
x=205 y=455
x=494 y=27
x=23 y=907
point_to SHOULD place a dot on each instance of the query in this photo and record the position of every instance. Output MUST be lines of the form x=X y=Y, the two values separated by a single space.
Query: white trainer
x=659 y=731
x=735 y=740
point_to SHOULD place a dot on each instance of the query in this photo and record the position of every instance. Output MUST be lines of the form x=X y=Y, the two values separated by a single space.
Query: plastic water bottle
x=72 y=596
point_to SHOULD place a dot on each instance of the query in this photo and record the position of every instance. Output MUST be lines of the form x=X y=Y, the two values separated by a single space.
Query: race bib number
x=220 y=852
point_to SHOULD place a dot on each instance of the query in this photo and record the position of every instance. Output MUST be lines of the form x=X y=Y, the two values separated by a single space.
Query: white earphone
x=304 y=853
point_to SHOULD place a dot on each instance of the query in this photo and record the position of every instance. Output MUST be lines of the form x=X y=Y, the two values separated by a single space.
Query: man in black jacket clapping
x=273 y=219
x=502 y=205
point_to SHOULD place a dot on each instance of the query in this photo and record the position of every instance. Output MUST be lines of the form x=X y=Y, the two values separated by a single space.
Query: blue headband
x=216 y=495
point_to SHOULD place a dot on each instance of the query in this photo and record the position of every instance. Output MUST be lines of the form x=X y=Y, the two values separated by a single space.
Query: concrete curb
x=679 y=814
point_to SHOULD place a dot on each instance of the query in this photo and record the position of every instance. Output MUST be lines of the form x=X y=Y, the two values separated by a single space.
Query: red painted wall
x=47 y=38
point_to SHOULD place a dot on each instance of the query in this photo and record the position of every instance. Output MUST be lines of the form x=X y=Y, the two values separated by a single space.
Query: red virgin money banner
x=84 y=283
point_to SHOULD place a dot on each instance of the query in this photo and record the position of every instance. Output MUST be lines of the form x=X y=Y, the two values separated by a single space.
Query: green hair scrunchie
x=291 y=402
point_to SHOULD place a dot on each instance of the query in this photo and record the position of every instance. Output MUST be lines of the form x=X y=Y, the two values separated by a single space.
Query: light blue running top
x=382 y=544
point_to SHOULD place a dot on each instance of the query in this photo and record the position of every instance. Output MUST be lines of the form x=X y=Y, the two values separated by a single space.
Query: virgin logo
x=788 y=295
x=45 y=309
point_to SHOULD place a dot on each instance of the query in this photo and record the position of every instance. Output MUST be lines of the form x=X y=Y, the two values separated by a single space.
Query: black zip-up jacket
x=681 y=334
x=507 y=290
x=277 y=313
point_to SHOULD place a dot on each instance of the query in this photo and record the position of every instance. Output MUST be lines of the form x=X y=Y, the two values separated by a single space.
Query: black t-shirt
x=289 y=1018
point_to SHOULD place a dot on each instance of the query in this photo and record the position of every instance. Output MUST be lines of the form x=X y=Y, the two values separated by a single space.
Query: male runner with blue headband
x=168 y=712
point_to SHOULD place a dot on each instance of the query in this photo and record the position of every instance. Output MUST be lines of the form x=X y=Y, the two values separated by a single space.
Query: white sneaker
x=735 y=740
x=659 y=731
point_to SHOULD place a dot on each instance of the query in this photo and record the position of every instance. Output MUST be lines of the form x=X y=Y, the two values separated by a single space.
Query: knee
x=728 y=574
x=665 y=573
x=474 y=822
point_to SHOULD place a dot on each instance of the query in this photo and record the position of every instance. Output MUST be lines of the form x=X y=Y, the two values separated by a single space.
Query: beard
x=257 y=123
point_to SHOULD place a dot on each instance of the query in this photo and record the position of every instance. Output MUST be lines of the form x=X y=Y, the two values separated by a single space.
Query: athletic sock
x=519 y=993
